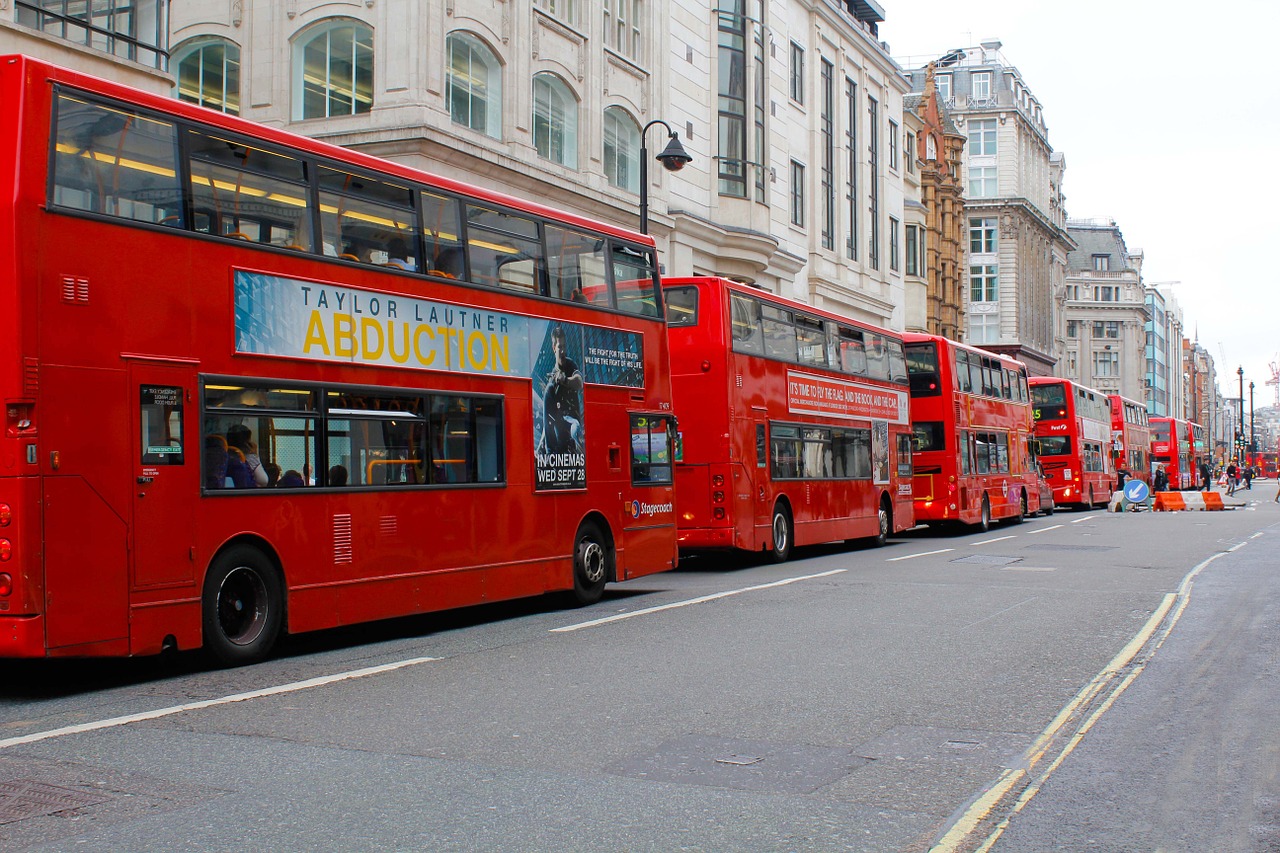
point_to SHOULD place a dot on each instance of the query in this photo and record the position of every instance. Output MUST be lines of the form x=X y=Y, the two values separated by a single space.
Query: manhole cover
x=24 y=798
x=987 y=560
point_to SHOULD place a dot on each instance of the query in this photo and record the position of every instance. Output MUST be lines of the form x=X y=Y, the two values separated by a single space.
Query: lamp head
x=673 y=158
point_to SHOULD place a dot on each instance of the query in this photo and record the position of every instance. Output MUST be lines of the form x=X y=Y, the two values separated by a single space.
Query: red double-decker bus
x=1073 y=432
x=971 y=433
x=255 y=383
x=1130 y=439
x=1172 y=447
x=793 y=422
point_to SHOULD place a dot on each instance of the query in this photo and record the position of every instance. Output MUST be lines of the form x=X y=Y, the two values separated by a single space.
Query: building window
x=138 y=31
x=621 y=150
x=827 y=125
x=1073 y=328
x=873 y=193
x=915 y=251
x=931 y=147
x=474 y=84
x=622 y=26
x=909 y=155
x=797 y=194
x=981 y=85
x=797 y=73
x=1106 y=329
x=732 y=99
x=984 y=283
x=1073 y=363
x=982 y=236
x=208 y=74
x=1106 y=293
x=761 y=102
x=893 y=145
x=1106 y=363
x=851 y=166
x=1073 y=292
x=894 y=228
x=982 y=181
x=984 y=328
x=982 y=138
x=555 y=120
x=1102 y=263
x=562 y=10
x=943 y=83
x=333 y=71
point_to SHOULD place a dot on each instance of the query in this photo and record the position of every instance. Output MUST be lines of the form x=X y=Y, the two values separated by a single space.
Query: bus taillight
x=717 y=497
x=718 y=513
x=717 y=480
x=6 y=515
x=6 y=584
x=6 y=550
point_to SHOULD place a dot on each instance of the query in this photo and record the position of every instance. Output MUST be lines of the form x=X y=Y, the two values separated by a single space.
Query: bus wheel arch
x=594 y=560
x=243 y=602
x=782 y=531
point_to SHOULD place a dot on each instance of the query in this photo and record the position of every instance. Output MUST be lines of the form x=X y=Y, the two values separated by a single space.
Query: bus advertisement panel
x=1073 y=431
x=1172 y=449
x=794 y=426
x=1130 y=439
x=971 y=434
x=324 y=388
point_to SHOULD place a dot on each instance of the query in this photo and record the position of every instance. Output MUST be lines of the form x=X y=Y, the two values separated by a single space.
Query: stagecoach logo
x=640 y=510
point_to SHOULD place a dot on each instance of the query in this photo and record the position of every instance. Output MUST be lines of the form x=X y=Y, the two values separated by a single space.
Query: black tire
x=243 y=607
x=591 y=563
x=782 y=534
x=1023 y=509
x=984 y=521
x=884 y=521
x=1048 y=510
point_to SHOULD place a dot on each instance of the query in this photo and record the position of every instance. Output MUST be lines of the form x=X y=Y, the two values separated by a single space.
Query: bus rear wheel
x=243 y=607
x=590 y=565
x=1022 y=509
x=984 y=522
x=781 y=534
x=884 y=520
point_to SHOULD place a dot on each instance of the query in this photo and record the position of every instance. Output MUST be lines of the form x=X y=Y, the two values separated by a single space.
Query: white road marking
x=1045 y=529
x=620 y=616
x=1086 y=518
x=989 y=541
x=293 y=687
x=921 y=554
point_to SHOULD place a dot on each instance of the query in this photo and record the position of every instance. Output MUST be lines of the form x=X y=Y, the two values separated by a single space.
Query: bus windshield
x=922 y=367
x=1049 y=401
x=1055 y=445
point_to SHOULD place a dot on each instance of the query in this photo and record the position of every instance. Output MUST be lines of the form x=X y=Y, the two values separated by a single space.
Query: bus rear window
x=922 y=368
x=928 y=435
x=682 y=306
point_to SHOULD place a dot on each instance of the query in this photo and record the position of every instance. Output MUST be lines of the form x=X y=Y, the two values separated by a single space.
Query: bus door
x=758 y=470
x=165 y=459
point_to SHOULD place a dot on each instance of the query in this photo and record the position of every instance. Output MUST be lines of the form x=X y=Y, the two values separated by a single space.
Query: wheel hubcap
x=779 y=533
x=591 y=556
x=242 y=611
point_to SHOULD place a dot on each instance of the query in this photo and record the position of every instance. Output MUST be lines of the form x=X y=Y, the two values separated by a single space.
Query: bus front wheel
x=984 y=523
x=590 y=565
x=243 y=607
x=781 y=534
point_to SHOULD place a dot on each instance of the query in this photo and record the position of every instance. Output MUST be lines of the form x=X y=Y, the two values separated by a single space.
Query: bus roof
x=204 y=115
x=921 y=337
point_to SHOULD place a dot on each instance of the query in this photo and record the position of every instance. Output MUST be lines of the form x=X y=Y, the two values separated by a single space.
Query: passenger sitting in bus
x=290 y=480
x=238 y=474
x=240 y=437
x=449 y=263
x=338 y=475
x=215 y=462
x=398 y=255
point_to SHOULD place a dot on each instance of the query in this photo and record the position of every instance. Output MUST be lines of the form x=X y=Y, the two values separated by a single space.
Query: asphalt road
x=1083 y=681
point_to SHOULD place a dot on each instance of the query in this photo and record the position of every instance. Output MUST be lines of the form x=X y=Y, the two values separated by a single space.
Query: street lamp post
x=1240 y=429
x=673 y=158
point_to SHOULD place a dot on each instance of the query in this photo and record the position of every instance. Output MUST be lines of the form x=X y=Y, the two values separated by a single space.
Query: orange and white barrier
x=1176 y=501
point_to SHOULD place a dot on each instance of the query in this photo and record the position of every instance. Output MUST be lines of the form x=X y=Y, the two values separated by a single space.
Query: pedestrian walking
x=1160 y=480
x=1231 y=478
x=1248 y=477
x=1206 y=476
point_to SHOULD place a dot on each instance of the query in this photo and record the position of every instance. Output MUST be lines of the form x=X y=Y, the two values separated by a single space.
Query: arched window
x=555 y=120
x=208 y=73
x=333 y=71
x=474 y=84
x=621 y=150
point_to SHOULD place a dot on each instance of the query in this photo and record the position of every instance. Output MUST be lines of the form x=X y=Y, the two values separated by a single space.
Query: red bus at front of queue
x=1130 y=439
x=794 y=426
x=258 y=384
x=1073 y=432
x=971 y=434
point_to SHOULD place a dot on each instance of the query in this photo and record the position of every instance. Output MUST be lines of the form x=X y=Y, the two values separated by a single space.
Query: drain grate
x=25 y=798
x=987 y=560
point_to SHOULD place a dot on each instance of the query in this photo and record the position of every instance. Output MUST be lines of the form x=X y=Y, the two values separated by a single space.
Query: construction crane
x=1275 y=378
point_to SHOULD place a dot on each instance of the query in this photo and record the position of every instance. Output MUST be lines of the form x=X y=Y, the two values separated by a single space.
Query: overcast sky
x=1168 y=116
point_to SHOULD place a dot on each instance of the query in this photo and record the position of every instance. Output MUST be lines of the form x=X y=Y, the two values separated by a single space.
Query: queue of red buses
x=1073 y=432
x=794 y=426
x=256 y=383
x=971 y=433
x=1130 y=439
x=1173 y=448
